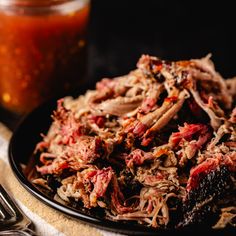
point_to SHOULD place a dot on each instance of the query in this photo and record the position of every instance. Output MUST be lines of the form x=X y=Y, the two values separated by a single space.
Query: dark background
x=120 y=31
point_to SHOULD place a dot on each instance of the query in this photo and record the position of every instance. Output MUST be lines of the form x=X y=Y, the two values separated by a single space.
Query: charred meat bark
x=202 y=197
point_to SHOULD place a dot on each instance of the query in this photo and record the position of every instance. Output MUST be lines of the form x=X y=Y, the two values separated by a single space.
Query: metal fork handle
x=15 y=232
x=12 y=217
x=20 y=232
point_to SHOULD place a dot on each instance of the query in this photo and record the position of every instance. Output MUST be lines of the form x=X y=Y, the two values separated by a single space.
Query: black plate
x=21 y=147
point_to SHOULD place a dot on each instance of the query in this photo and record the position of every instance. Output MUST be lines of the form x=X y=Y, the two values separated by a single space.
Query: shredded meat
x=156 y=146
x=119 y=106
x=228 y=214
x=184 y=139
x=231 y=85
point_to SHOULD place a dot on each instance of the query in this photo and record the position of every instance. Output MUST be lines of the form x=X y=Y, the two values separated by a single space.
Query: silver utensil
x=12 y=220
x=16 y=232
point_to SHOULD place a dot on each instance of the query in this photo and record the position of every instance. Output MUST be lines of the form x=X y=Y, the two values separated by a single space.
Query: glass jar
x=42 y=50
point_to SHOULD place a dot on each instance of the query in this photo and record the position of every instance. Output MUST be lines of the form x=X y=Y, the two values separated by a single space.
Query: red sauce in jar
x=42 y=50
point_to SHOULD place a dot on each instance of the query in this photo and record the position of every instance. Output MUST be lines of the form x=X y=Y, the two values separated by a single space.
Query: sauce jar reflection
x=42 y=50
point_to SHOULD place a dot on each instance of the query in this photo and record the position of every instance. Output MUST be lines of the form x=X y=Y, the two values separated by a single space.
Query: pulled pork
x=147 y=146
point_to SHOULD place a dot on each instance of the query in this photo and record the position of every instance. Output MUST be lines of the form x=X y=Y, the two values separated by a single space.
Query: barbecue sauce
x=42 y=50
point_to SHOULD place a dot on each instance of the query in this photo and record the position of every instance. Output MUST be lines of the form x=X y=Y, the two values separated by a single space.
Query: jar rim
x=34 y=3
x=40 y=7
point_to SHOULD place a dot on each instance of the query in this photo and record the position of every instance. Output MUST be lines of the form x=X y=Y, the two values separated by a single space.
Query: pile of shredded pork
x=156 y=146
